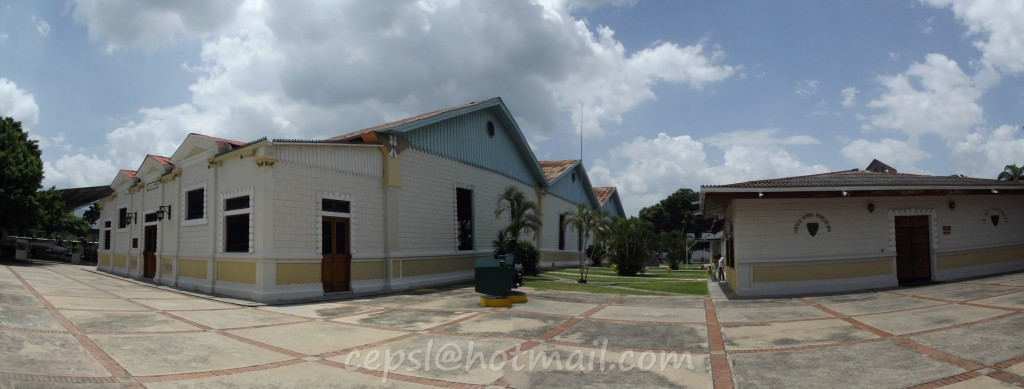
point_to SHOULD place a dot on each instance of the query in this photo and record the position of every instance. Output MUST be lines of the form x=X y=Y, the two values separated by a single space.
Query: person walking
x=721 y=268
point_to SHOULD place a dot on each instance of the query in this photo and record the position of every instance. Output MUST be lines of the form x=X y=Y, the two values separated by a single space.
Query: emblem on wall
x=812 y=227
x=994 y=215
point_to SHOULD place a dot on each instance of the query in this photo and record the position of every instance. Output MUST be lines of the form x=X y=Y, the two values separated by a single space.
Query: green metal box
x=494 y=277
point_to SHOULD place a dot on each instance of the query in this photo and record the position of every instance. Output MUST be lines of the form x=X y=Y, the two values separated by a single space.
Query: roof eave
x=857 y=188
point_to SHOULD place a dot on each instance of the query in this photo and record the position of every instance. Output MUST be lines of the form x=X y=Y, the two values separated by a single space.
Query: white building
x=401 y=205
x=862 y=229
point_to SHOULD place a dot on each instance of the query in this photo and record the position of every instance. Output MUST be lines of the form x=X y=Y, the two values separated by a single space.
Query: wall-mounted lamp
x=846 y=194
x=952 y=205
x=760 y=194
x=162 y=211
x=994 y=191
x=132 y=217
x=871 y=207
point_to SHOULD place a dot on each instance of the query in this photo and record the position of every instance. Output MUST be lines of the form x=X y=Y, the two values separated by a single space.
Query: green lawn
x=604 y=274
x=657 y=282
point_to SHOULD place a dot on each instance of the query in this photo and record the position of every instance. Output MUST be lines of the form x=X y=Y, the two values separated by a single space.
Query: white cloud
x=934 y=96
x=76 y=171
x=984 y=153
x=43 y=28
x=151 y=24
x=274 y=69
x=647 y=170
x=899 y=154
x=806 y=88
x=998 y=24
x=849 y=96
x=18 y=104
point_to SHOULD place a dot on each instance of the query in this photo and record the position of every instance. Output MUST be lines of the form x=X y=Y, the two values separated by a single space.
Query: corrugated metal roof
x=604 y=193
x=75 y=198
x=358 y=134
x=860 y=178
x=220 y=140
x=554 y=169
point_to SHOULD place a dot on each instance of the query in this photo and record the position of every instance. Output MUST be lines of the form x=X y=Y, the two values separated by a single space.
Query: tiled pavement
x=64 y=326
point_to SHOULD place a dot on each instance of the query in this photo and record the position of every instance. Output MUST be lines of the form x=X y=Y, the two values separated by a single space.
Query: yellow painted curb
x=518 y=298
x=497 y=302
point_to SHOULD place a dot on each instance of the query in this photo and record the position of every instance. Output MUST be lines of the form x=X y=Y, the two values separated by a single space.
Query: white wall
x=298 y=191
x=764 y=227
x=427 y=222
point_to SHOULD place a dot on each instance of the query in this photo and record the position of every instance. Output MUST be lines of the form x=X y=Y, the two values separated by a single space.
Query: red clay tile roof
x=130 y=173
x=554 y=169
x=861 y=178
x=385 y=126
x=221 y=140
x=162 y=160
x=604 y=193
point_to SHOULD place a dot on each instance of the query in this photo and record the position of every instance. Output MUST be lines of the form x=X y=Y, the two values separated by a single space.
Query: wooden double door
x=913 y=249
x=336 y=266
x=149 y=252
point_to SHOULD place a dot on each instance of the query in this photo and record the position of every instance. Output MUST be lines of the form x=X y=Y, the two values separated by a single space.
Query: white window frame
x=103 y=235
x=183 y=219
x=321 y=214
x=221 y=233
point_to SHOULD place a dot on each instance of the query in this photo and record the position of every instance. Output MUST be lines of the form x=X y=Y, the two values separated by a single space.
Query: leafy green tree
x=92 y=214
x=523 y=218
x=1012 y=173
x=21 y=172
x=675 y=212
x=55 y=221
x=677 y=246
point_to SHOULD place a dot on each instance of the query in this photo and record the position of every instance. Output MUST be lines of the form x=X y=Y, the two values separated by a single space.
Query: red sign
x=947 y=230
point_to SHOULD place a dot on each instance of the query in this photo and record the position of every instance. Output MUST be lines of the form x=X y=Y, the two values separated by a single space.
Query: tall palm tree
x=1012 y=173
x=583 y=221
x=522 y=213
x=602 y=230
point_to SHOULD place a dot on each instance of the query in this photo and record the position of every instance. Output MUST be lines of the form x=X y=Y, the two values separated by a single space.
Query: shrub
x=631 y=245
x=528 y=255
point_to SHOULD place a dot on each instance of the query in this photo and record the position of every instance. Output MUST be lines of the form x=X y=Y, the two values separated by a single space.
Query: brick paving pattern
x=65 y=325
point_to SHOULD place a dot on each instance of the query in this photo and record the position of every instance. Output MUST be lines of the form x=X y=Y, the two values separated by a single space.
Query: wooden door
x=913 y=249
x=149 y=253
x=336 y=267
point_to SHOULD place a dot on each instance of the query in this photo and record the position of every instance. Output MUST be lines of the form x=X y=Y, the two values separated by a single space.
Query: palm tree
x=1012 y=173
x=602 y=231
x=522 y=213
x=583 y=221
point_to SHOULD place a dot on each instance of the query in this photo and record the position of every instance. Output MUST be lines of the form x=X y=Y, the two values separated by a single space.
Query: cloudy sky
x=673 y=94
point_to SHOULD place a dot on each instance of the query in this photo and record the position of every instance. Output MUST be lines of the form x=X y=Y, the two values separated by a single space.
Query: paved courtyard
x=65 y=326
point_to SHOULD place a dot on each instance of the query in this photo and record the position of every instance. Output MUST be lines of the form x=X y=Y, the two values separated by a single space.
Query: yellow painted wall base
x=979 y=257
x=240 y=272
x=297 y=273
x=821 y=270
x=192 y=268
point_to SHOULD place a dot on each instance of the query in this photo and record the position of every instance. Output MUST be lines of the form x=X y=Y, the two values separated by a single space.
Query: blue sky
x=673 y=93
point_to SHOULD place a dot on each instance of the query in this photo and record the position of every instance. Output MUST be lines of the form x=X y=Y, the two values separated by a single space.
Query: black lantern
x=162 y=211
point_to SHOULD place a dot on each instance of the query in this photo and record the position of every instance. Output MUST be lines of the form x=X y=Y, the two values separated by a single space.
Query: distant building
x=401 y=205
x=860 y=229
